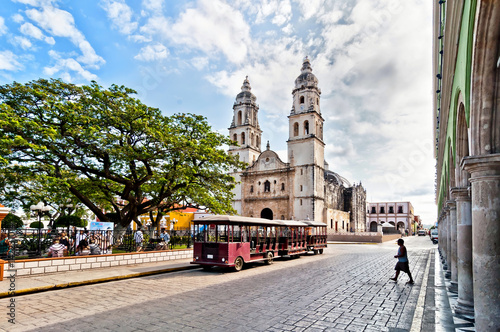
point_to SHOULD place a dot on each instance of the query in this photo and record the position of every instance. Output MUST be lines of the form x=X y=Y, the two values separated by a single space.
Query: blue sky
x=372 y=59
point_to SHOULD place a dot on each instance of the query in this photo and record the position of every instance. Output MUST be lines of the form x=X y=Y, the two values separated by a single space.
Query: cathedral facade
x=302 y=188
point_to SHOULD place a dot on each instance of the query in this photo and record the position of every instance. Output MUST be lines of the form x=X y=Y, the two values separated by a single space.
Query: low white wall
x=63 y=264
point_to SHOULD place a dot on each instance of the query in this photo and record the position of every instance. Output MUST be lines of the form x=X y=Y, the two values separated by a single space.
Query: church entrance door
x=267 y=214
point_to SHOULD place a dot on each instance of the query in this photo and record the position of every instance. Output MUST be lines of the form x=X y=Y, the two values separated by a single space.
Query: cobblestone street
x=346 y=288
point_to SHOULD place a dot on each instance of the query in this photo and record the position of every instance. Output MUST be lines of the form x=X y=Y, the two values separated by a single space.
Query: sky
x=372 y=59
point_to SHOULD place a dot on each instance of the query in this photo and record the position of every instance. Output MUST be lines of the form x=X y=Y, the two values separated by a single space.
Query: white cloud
x=155 y=6
x=18 y=18
x=120 y=15
x=32 y=31
x=279 y=10
x=8 y=61
x=200 y=62
x=63 y=66
x=3 y=27
x=212 y=26
x=23 y=42
x=152 y=53
x=60 y=23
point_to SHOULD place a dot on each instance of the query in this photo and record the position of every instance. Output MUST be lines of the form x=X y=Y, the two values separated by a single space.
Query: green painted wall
x=461 y=84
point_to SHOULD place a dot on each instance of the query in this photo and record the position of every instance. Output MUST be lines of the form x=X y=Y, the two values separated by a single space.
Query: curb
x=94 y=281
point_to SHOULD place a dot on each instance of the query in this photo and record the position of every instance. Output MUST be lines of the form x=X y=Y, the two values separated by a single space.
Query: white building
x=398 y=214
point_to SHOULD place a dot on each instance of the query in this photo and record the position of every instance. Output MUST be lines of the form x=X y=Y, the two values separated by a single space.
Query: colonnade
x=469 y=240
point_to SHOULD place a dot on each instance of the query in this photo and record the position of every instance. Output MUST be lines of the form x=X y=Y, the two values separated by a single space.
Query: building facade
x=466 y=112
x=302 y=188
x=398 y=214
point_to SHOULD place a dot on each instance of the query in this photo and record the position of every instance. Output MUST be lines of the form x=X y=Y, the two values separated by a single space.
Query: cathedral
x=302 y=188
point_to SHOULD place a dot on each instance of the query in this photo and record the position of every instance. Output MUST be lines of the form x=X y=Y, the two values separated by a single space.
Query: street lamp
x=40 y=209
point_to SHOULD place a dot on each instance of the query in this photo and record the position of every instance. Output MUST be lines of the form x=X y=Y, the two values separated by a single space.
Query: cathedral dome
x=306 y=77
x=245 y=95
x=337 y=178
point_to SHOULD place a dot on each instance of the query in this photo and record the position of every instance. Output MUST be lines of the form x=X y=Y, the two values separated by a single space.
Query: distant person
x=4 y=246
x=165 y=239
x=83 y=248
x=94 y=247
x=57 y=249
x=138 y=238
x=402 y=264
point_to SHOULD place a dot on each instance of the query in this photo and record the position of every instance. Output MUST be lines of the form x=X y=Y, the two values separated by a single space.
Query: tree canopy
x=109 y=150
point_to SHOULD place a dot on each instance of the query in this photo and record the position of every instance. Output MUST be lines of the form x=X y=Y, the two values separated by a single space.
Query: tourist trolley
x=231 y=241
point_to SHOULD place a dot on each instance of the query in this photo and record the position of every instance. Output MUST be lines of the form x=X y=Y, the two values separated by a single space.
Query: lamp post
x=68 y=206
x=40 y=209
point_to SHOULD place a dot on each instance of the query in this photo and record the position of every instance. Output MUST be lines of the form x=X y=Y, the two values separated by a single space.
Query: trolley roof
x=227 y=219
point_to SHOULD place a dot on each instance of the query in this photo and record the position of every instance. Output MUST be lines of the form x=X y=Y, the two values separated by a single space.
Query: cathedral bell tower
x=244 y=130
x=245 y=127
x=306 y=146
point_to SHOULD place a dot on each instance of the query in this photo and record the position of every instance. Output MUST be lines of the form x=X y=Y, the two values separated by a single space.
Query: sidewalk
x=45 y=282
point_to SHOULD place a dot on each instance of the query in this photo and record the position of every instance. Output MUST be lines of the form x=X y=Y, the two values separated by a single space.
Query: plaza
x=345 y=289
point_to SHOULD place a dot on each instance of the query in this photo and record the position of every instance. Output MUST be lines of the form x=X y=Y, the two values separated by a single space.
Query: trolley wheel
x=320 y=251
x=238 y=264
x=269 y=259
x=315 y=251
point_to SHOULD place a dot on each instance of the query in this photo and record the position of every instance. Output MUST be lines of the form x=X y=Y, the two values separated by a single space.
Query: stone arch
x=267 y=213
x=485 y=103
x=240 y=119
x=296 y=129
x=401 y=225
x=243 y=139
x=306 y=127
x=461 y=146
x=373 y=226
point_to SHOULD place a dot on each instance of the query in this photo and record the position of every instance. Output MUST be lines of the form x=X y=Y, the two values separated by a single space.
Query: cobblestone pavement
x=345 y=289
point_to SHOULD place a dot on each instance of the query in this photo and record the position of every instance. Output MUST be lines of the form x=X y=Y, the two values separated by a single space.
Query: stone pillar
x=485 y=184
x=447 y=243
x=465 y=302
x=451 y=204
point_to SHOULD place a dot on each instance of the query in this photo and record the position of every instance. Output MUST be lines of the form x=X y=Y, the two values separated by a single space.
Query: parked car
x=422 y=232
x=434 y=236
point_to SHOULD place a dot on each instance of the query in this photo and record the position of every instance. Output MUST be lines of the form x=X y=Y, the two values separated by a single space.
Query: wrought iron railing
x=34 y=243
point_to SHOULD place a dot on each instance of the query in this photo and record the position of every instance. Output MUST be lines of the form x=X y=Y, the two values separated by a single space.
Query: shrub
x=71 y=220
x=11 y=221
x=36 y=224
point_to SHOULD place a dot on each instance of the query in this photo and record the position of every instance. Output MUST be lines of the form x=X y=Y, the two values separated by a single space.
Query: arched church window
x=239 y=118
x=301 y=201
x=267 y=186
x=257 y=140
x=301 y=99
x=243 y=138
x=282 y=186
x=317 y=101
x=282 y=217
x=235 y=137
x=295 y=129
x=300 y=187
x=251 y=138
x=251 y=189
x=306 y=127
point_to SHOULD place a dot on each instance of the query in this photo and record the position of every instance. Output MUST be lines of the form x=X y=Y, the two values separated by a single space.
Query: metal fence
x=34 y=243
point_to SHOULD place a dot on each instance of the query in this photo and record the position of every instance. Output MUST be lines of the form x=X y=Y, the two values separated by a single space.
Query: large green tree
x=111 y=151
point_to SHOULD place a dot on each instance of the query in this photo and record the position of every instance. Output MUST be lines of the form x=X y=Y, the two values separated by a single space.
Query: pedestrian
x=138 y=237
x=402 y=264
x=65 y=240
